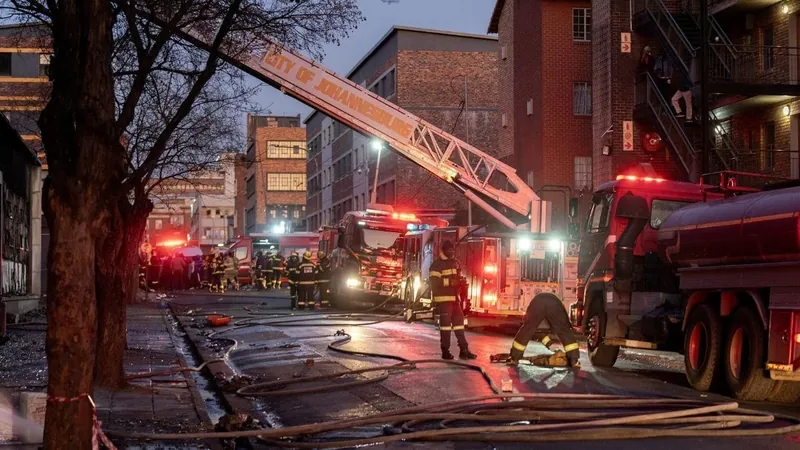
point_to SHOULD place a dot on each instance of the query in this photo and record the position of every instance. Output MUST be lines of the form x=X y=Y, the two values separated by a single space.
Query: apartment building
x=214 y=216
x=275 y=176
x=448 y=79
x=751 y=77
x=545 y=95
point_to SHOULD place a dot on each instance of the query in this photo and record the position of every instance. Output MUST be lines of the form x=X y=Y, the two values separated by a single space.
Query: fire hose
x=515 y=417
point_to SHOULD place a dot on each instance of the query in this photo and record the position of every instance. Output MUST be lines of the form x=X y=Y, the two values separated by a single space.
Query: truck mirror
x=573 y=208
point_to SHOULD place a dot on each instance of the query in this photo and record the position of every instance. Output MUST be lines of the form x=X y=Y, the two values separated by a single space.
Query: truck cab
x=627 y=295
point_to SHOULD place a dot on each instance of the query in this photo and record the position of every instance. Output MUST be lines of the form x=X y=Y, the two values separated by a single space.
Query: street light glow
x=377 y=144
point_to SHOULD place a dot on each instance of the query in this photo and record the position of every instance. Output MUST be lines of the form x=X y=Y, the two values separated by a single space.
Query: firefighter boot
x=466 y=354
x=446 y=354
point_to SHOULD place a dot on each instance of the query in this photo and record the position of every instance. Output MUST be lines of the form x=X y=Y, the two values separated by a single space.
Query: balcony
x=739 y=6
x=782 y=163
x=754 y=70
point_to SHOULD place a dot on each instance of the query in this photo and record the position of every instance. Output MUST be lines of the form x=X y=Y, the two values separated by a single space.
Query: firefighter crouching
x=291 y=274
x=276 y=261
x=546 y=306
x=306 y=282
x=445 y=279
x=324 y=279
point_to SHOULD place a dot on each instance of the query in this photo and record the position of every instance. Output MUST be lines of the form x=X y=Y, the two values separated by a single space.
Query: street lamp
x=377 y=145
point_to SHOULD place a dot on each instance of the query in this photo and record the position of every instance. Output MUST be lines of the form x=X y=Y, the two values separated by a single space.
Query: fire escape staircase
x=679 y=38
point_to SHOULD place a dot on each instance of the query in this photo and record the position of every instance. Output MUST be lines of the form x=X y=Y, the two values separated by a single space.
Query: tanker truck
x=712 y=272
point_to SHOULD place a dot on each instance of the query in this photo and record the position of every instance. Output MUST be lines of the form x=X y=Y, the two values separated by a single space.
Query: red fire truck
x=712 y=271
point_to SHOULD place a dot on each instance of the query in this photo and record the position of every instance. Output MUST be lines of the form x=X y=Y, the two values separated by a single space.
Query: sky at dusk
x=466 y=16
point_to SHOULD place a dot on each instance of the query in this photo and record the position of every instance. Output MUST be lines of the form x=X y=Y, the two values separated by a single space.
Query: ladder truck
x=481 y=178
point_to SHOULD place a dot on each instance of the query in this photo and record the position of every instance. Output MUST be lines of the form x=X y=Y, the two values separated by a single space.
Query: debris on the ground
x=35 y=315
x=236 y=422
x=234 y=383
x=309 y=362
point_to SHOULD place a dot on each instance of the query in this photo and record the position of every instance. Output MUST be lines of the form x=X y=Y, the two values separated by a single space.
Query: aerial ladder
x=476 y=174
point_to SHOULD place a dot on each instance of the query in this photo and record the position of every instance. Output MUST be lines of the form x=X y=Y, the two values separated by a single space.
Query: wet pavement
x=298 y=348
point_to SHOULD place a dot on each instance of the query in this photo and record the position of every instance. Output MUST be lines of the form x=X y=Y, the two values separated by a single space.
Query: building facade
x=214 y=216
x=545 y=95
x=275 y=175
x=446 y=78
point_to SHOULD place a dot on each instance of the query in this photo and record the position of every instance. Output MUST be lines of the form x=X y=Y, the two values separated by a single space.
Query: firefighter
x=208 y=269
x=445 y=278
x=219 y=271
x=291 y=273
x=269 y=269
x=258 y=272
x=323 y=279
x=306 y=279
x=277 y=261
x=546 y=306
x=231 y=274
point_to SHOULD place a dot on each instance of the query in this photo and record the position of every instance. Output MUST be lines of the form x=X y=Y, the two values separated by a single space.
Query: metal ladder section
x=680 y=49
x=465 y=167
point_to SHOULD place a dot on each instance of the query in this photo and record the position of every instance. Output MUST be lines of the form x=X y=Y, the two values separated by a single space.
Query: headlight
x=352 y=282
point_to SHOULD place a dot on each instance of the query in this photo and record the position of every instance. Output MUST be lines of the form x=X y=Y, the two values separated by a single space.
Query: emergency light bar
x=635 y=178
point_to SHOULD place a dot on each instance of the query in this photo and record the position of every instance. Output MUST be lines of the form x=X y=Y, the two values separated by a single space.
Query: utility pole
x=706 y=151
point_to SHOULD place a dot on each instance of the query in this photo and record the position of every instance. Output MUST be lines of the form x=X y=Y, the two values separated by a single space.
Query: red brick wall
x=506 y=79
x=240 y=171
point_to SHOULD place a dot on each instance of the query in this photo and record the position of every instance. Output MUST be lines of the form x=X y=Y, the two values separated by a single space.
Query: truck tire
x=702 y=347
x=744 y=357
x=600 y=354
x=785 y=392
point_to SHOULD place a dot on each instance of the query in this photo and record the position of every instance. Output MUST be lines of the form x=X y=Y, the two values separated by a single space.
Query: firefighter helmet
x=307 y=255
x=321 y=254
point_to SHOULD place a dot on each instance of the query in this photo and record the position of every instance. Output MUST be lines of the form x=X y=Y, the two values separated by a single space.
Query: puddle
x=211 y=398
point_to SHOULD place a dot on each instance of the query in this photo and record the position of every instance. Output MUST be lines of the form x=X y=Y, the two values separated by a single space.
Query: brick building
x=545 y=95
x=275 y=175
x=424 y=72
x=752 y=75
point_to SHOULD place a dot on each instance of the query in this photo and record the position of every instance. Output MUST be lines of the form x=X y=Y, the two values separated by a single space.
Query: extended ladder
x=444 y=155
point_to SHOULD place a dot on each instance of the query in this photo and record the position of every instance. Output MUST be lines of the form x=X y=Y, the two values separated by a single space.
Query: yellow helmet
x=307 y=255
x=321 y=255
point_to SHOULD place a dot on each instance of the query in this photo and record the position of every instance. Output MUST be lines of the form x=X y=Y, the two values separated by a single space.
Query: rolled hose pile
x=501 y=417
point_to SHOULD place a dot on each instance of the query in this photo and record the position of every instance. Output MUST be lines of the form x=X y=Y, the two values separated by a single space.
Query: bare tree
x=127 y=96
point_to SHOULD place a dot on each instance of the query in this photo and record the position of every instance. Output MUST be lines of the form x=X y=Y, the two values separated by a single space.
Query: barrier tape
x=97 y=433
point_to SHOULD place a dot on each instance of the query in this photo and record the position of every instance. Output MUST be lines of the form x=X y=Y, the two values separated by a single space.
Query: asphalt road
x=286 y=352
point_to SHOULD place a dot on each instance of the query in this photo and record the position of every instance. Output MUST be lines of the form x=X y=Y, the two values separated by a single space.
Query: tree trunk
x=117 y=283
x=72 y=322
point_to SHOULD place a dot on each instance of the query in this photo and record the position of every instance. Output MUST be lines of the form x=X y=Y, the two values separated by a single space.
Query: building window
x=286 y=149
x=581 y=24
x=44 y=65
x=286 y=182
x=582 y=99
x=583 y=172
x=768 y=159
x=768 y=55
x=5 y=64
x=176 y=221
x=159 y=224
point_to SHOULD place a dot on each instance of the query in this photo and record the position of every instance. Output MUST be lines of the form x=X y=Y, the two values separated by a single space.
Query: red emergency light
x=490 y=268
x=635 y=178
x=174 y=243
x=404 y=216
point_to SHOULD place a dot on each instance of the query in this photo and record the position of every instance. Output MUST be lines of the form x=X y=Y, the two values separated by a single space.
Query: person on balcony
x=685 y=93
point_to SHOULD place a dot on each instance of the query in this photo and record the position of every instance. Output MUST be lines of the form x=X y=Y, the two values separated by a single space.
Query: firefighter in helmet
x=218 y=268
x=323 y=278
x=269 y=269
x=546 y=306
x=445 y=279
x=291 y=273
x=276 y=271
x=258 y=273
x=306 y=280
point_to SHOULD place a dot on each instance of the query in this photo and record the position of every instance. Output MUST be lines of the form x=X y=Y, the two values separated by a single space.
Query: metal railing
x=775 y=162
x=725 y=51
x=755 y=64
x=727 y=151
x=672 y=37
x=647 y=94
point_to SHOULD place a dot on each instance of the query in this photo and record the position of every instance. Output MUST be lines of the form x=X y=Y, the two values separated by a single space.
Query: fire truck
x=709 y=270
x=246 y=247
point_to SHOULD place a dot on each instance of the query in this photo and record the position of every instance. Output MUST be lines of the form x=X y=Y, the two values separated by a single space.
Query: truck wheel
x=744 y=357
x=785 y=392
x=600 y=354
x=702 y=346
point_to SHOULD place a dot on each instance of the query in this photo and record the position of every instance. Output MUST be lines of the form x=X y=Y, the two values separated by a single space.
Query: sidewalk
x=169 y=403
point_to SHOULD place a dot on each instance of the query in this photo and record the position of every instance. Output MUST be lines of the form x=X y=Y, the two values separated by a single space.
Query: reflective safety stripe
x=444 y=298
x=546 y=340
x=441 y=328
x=447 y=272
x=301 y=303
x=458 y=327
x=517 y=346
x=571 y=347
x=323 y=281
x=306 y=282
x=435 y=274
x=324 y=302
